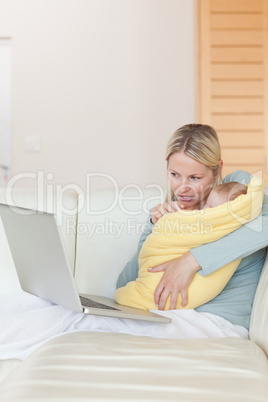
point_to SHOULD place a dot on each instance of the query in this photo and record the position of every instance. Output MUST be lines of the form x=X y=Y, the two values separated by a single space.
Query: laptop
x=44 y=270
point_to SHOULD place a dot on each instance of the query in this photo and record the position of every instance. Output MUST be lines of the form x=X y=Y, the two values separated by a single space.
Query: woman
x=194 y=168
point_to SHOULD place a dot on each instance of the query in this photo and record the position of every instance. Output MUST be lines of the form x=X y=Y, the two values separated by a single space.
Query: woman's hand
x=177 y=277
x=165 y=208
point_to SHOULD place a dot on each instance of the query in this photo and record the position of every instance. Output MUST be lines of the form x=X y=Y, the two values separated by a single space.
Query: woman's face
x=190 y=180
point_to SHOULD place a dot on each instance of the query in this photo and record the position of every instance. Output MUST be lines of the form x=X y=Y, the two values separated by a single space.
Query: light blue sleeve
x=238 y=244
x=130 y=272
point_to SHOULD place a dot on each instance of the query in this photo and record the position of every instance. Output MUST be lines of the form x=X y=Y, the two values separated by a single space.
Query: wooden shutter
x=233 y=79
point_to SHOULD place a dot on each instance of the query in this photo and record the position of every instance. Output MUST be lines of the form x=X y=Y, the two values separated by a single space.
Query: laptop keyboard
x=91 y=303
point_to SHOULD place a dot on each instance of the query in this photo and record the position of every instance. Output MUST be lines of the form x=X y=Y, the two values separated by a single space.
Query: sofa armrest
x=258 y=330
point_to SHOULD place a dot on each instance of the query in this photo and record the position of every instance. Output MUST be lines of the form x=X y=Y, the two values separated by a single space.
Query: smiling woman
x=194 y=167
x=194 y=162
x=190 y=181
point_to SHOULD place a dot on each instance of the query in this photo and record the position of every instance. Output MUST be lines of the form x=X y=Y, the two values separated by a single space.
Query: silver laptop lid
x=39 y=255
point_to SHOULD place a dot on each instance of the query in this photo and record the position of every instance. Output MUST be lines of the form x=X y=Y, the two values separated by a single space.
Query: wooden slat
x=235 y=37
x=237 y=105
x=234 y=59
x=243 y=156
x=237 y=122
x=255 y=169
x=236 y=5
x=204 y=62
x=236 y=71
x=239 y=88
x=236 y=54
x=265 y=143
x=238 y=138
x=236 y=21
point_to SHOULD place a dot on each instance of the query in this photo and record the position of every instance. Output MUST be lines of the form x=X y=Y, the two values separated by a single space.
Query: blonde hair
x=200 y=142
x=232 y=188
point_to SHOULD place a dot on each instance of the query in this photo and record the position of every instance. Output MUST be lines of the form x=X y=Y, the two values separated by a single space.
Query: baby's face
x=214 y=199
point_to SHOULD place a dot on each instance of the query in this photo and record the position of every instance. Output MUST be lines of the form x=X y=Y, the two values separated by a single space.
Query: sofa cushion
x=258 y=330
x=6 y=366
x=109 y=226
x=111 y=366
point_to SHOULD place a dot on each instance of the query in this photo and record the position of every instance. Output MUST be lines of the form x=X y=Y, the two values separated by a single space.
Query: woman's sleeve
x=130 y=272
x=238 y=244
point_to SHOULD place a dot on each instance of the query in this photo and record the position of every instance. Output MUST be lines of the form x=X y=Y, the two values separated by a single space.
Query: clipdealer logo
x=50 y=197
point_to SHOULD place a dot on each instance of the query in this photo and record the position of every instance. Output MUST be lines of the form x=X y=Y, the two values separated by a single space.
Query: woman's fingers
x=162 y=291
x=163 y=299
x=177 y=205
x=173 y=299
x=156 y=213
x=170 y=207
x=158 y=268
x=162 y=296
x=162 y=209
x=165 y=209
x=158 y=291
x=178 y=275
x=184 y=297
x=155 y=216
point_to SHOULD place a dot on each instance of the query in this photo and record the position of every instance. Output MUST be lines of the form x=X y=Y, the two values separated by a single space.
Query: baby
x=225 y=192
x=176 y=233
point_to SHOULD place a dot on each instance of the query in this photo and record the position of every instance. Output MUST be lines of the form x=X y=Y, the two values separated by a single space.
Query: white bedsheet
x=27 y=321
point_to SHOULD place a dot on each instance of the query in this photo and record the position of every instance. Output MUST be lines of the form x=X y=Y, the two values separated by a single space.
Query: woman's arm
x=238 y=244
x=210 y=257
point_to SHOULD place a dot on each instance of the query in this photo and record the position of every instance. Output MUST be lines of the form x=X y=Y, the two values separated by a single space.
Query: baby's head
x=225 y=192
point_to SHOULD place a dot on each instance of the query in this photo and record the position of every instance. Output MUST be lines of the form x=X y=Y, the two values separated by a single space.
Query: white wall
x=5 y=112
x=102 y=83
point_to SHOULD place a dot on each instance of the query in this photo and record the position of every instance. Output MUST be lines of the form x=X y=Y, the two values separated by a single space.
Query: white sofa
x=101 y=233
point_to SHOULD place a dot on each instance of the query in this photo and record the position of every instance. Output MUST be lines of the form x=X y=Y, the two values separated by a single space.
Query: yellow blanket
x=176 y=233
